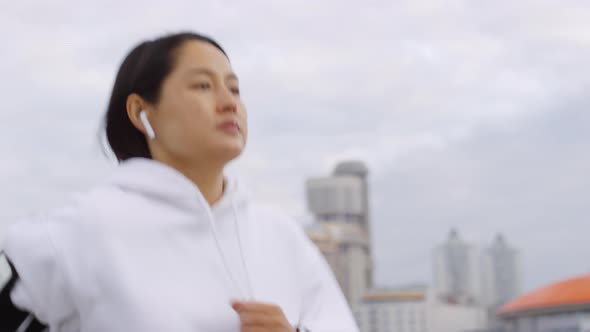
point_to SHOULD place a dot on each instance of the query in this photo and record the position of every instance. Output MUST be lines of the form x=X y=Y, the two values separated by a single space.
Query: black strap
x=11 y=317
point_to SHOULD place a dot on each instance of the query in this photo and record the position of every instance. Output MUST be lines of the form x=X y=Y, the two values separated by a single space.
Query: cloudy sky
x=469 y=114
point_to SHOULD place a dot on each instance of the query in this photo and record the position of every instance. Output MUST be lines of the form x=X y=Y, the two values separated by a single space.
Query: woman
x=168 y=243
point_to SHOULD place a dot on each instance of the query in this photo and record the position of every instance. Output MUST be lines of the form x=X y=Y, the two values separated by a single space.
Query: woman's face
x=199 y=116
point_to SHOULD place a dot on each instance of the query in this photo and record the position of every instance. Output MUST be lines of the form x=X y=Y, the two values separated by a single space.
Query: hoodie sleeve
x=324 y=306
x=40 y=288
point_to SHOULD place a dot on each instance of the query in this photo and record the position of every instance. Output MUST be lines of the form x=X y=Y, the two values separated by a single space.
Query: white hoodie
x=145 y=252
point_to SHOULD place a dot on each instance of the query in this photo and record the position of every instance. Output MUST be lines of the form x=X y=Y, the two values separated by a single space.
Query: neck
x=208 y=178
x=209 y=181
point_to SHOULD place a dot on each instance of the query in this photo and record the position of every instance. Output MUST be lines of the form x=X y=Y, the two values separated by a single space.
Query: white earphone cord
x=233 y=279
x=238 y=235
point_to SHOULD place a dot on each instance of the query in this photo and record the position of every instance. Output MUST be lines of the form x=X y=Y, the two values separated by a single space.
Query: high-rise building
x=502 y=273
x=344 y=248
x=358 y=170
x=336 y=199
x=457 y=271
x=340 y=205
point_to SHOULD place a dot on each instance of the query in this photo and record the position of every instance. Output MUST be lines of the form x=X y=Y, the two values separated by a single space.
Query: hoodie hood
x=165 y=185
x=158 y=181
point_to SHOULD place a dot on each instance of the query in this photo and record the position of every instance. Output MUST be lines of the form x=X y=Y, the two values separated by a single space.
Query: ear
x=136 y=104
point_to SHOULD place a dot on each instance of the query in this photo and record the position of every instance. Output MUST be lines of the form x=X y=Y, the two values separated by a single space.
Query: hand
x=261 y=317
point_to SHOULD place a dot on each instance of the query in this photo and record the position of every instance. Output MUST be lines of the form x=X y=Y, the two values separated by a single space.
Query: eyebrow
x=205 y=71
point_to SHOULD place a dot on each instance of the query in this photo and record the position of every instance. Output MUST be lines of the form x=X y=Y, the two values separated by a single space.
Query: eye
x=235 y=91
x=201 y=86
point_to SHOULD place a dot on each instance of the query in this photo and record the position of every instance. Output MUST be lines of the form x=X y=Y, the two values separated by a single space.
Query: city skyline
x=488 y=276
x=462 y=273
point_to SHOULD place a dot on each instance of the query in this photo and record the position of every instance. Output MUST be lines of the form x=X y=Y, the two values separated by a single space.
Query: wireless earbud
x=146 y=124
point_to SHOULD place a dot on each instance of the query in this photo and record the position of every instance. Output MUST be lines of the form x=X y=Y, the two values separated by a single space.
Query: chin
x=230 y=152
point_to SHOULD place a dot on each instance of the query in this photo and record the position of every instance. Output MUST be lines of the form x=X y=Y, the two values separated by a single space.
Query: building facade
x=415 y=309
x=502 y=273
x=340 y=205
x=457 y=271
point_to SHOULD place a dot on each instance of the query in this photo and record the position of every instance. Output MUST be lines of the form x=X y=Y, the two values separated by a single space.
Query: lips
x=229 y=126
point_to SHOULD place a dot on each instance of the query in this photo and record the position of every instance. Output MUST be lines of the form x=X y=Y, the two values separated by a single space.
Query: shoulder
x=50 y=234
x=52 y=222
x=34 y=247
x=45 y=247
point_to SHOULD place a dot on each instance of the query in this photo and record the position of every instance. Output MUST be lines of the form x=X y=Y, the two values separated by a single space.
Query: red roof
x=570 y=292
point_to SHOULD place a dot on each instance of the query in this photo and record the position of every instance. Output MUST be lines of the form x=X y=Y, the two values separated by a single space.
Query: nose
x=226 y=101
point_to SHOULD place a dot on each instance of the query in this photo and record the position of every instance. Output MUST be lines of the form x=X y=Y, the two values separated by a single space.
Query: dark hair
x=142 y=72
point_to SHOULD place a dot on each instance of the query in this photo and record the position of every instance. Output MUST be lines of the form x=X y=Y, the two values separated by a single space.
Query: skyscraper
x=457 y=271
x=340 y=205
x=360 y=171
x=336 y=199
x=502 y=273
x=357 y=170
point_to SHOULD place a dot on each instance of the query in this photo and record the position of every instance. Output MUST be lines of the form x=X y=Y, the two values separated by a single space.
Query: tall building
x=340 y=205
x=336 y=199
x=358 y=170
x=502 y=273
x=345 y=251
x=457 y=271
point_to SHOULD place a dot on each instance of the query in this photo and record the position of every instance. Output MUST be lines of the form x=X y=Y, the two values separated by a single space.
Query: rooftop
x=556 y=297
